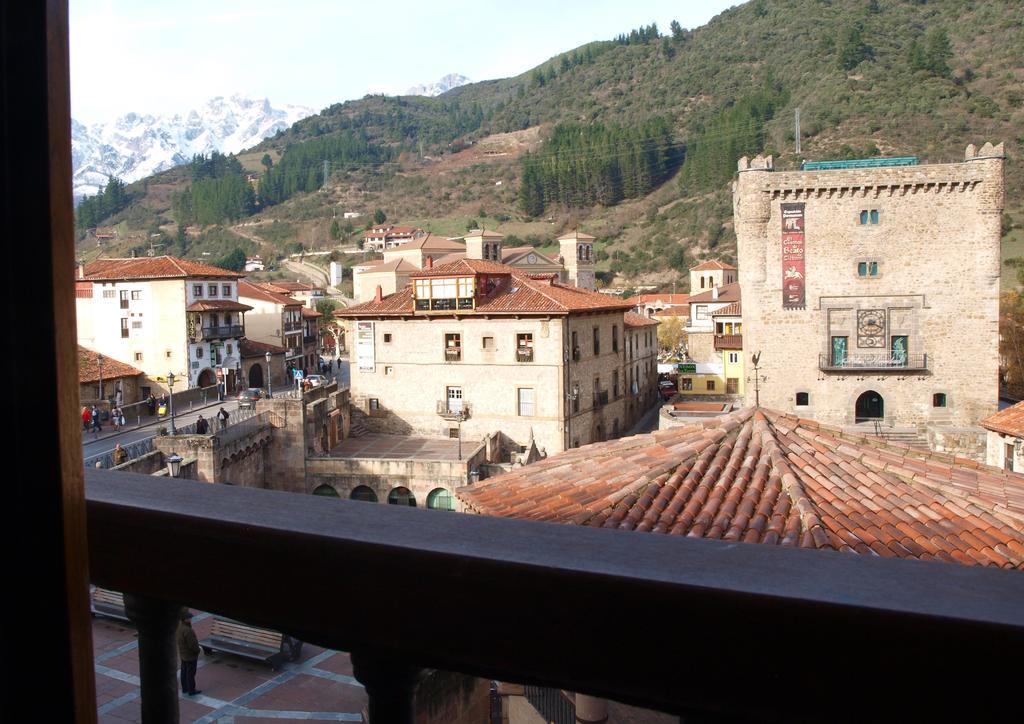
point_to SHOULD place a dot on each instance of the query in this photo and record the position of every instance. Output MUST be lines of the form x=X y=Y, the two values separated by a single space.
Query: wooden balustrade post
x=157 y=622
x=390 y=687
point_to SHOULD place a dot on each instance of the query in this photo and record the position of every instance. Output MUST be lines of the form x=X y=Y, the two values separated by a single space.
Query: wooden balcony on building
x=228 y=331
x=866 y=610
x=728 y=342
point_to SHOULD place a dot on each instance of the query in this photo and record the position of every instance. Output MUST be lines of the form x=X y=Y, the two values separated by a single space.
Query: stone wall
x=965 y=442
x=286 y=456
x=937 y=244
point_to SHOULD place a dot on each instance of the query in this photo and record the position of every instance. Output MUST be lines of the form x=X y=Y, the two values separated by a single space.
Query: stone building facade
x=871 y=293
x=516 y=354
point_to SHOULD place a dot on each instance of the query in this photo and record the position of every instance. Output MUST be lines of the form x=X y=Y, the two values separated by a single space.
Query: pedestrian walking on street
x=222 y=416
x=95 y=415
x=202 y=426
x=120 y=455
x=86 y=418
x=152 y=404
x=188 y=652
x=116 y=418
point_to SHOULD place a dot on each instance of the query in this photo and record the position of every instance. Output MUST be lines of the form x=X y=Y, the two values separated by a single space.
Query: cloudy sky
x=156 y=56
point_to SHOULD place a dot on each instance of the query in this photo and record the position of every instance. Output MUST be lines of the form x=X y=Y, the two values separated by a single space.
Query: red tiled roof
x=89 y=368
x=430 y=242
x=249 y=348
x=248 y=290
x=516 y=293
x=726 y=293
x=683 y=311
x=759 y=476
x=632 y=319
x=310 y=313
x=665 y=298
x=733 y=310
x=154 y=267
x=713 y=265
x=295 y=286
x=217 y=305
x=400 y=265
x=576 y=235
x=1008 y=422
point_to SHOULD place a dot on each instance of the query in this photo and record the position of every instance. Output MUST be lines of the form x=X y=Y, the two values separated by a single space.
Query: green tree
x=234 y=260
x=335 y=230
x=181 y=240
x=671 y=335
x=938 y=51
x=677 y=30
x=379 y=217
x=267 y=161
x=853 y=50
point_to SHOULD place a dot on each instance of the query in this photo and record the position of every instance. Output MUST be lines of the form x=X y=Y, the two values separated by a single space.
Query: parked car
x=316 y=380
x=667 y=389
x=247 y=398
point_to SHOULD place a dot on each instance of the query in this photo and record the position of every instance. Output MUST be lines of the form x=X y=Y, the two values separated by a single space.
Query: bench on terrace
x=107 y=603
x=260 y=644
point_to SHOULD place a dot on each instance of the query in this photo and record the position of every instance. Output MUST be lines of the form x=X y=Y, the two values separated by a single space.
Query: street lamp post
x=170 y=400
x=174 y=464
x=99 y=362
x=573 y=395
x=459 y=417
x=268 y=357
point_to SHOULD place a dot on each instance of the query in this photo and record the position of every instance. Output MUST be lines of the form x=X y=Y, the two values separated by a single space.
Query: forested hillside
x=635 y=139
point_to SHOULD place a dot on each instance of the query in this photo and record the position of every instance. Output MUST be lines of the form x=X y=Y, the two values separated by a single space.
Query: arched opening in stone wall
x=401 y=496
x=207 y=378
x=256 y=376
x=440 y=499
x=326 y=490
x=361 y=492
x=870 y=406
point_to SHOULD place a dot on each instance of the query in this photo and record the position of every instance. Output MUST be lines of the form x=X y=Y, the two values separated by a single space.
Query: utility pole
x=325 y=173
x=797 y=132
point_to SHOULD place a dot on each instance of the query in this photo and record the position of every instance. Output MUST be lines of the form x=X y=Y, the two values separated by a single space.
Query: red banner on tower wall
x=793 y=280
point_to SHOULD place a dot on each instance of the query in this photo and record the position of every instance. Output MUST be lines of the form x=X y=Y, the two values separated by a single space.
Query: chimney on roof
x=714 y=292
x=379 y=296
x=81 y=269
x=430 y=262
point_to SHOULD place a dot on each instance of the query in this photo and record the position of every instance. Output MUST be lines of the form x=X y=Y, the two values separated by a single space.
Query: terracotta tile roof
x=726 y=293
x=430 y=242
x=154 y=267
x=217 y=305
x=516 y=293
x=1009 y=421
x=310 y=313
x=759 y=476
x=250 y=348
x=632 y=319
x=733 y=310
x=713 y=265
x=485 y=233
x=576 y=235
x=89 y=369
x=247 y=290
x=664 y=298
x=290 y=287
x=400 y=265
x=683 y=311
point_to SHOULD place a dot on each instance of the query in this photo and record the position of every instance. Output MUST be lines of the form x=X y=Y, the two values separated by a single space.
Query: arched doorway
x=870 y=406
x=256 y=375
x=401 y=496
x=207 y=378
x=440 y=499
x=326 y=490
x=363 y=493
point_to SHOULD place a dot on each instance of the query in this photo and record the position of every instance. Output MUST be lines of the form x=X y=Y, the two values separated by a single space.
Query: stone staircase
x=356 y=427
x=909 y=436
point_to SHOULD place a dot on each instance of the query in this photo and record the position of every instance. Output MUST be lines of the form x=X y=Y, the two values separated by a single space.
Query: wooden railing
x=690 y=626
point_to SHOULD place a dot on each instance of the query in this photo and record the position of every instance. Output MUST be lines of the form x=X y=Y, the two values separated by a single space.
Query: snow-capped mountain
x=452 y=80
x=135 y=146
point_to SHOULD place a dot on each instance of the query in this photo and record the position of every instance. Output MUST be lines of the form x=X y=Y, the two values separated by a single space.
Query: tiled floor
x=376 y=445
x=318 y=687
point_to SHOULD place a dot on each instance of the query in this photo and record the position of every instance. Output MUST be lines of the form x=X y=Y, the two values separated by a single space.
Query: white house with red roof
x=485 y=347
x=163 y=315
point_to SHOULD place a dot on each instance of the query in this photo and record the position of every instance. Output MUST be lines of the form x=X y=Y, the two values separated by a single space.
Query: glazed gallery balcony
x=227 y=331
x=881 y=362
x=543 y=596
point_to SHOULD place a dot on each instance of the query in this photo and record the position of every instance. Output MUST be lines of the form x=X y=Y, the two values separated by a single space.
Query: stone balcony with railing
x=453 y=412
x=881 y=362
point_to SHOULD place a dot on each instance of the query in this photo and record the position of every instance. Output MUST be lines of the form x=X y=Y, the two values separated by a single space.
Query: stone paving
x=318 y=687
x=379 y=445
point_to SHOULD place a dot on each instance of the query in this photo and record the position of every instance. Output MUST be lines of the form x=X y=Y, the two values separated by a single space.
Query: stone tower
x=871 y=288
x=484 y=244
x=577 y=253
